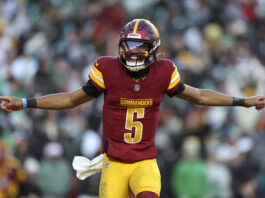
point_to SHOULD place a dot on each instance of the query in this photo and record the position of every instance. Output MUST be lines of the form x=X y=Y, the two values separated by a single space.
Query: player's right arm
x=51 y=102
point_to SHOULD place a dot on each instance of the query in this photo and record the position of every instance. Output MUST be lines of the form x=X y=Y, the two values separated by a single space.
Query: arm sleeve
x=90 y=89
x=180 y=88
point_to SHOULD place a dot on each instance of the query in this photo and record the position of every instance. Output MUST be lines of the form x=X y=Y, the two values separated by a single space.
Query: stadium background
x=49 y=46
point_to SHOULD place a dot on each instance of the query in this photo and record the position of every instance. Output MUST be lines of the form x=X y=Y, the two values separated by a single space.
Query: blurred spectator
x=235 y=153
x=11 y=173
x=54 y=175
x=29 y=188
x=218 y=175
x=91 y=143
x=257 y=152
x=23 y=69
x=189 y=179
x=48 y=47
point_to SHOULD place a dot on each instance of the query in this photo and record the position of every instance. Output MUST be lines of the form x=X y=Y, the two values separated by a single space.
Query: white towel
x=85 y=168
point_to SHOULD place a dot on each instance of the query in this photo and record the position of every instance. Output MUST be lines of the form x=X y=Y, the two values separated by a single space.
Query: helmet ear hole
x=151 y=58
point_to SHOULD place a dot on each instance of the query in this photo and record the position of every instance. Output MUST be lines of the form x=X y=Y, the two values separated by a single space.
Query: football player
x=133 y=85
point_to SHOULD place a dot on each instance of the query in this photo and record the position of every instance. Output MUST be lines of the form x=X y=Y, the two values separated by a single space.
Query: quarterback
x=133 y=85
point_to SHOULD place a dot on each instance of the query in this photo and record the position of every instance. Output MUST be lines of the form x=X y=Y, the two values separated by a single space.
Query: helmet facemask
x=137 y=55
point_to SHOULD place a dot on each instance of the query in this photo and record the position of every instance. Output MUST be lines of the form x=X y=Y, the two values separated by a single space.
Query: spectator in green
x=54 y=175
x=188 y=179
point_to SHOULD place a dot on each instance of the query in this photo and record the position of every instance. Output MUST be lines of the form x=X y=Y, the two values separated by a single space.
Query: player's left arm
x=214 y=98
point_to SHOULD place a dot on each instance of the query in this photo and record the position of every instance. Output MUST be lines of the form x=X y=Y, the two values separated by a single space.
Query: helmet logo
x=134 y=35
x=107 y=165
x=136 y=87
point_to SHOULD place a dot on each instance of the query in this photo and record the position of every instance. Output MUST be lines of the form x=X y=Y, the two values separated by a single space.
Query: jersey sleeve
x=91 y=89
x=174 y=81
x=96 y=76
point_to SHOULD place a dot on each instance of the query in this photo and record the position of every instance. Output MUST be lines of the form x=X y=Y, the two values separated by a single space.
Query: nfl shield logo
x=136 y=87
x=107 y=165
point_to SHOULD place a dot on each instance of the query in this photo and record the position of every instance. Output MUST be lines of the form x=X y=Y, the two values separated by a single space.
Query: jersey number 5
x=138 y=126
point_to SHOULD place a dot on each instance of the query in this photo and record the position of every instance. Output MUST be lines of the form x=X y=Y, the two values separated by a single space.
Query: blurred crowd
x=204 y=152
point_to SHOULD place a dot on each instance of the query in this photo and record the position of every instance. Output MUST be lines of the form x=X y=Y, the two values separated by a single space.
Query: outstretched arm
x=213 y=98
x=51 y=102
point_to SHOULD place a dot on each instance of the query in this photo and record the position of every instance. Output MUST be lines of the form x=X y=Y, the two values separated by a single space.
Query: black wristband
x=238 y=101
x=31 y=103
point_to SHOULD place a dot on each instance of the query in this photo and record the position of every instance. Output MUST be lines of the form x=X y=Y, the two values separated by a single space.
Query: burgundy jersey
x=131 y=107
